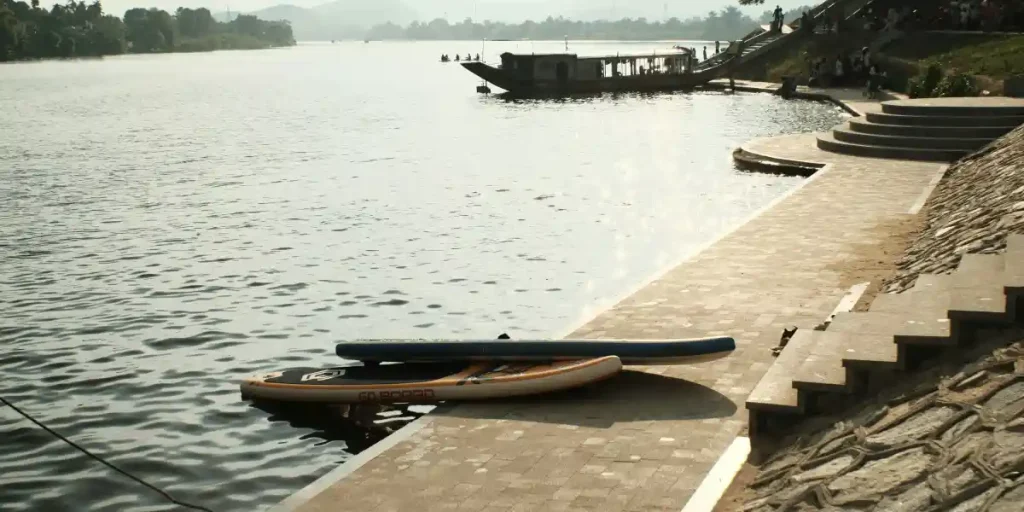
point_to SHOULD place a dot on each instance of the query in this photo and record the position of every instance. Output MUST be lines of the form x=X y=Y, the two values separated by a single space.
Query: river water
x=171 y=223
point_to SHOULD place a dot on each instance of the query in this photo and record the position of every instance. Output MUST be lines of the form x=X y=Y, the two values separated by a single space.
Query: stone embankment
x=954 y=444
x=979 y=201
x=948 y=438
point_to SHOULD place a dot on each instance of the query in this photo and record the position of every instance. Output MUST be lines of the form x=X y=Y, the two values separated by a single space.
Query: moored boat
x=568 y=73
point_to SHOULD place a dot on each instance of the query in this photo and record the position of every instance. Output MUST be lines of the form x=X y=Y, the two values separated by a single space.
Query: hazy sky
x=456 y=9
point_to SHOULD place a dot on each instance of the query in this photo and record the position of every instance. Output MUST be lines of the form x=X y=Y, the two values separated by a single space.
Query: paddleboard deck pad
x=669 y=351
x=426 y=382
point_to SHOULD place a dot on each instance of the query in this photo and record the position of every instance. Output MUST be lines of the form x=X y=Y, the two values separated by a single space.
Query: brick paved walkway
x=645 y=440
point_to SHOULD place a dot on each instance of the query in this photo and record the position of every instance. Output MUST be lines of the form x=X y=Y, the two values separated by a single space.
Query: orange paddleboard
x=427 y=382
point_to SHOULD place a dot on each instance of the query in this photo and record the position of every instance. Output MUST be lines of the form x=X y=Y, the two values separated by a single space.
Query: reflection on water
x=172 y=223
x=360 y=426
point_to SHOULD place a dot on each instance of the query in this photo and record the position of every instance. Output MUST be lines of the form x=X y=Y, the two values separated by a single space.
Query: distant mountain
x=341 y=19
x=338 y=19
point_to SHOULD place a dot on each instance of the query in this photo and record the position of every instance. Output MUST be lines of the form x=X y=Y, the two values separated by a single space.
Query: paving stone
x=1010 y=501
x=879 y=476
x=959 y=477
x=915 y=499
x=825 y=469
x=921 y=424
x=970 y=444
x=1007 y=450
x=953 y=433
x=1001 y=402
x=976 y=503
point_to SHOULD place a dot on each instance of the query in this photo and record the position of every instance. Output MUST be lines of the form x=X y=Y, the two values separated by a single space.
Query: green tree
x=80 y=28
x=149 y=31
x=11 y=33
x=108 y=36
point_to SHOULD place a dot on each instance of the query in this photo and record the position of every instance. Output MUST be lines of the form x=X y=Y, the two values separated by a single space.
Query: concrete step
x=867 y=351
x=975 y=295
x=775 y=392
x=932 y=302
x=846 y=134
x=1014 y=261
x=917 y=328
x=836 y=355
x=823 y=369
x=979 y=107
x=977 y=290
x=862 y=125
x=933 y=282
x=937 y=120
x=828 y=142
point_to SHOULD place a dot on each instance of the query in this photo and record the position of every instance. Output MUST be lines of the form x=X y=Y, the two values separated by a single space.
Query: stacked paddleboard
x=434 y=370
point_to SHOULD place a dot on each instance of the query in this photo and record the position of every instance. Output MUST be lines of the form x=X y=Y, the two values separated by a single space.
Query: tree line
x=728 y=24
x=80 y=29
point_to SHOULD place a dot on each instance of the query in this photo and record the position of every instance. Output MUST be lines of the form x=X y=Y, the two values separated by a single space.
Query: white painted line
x=604 y=305
x=718 y=480
x=927 y=192
x=849 y=300
x=321 y=484
x=720 y=477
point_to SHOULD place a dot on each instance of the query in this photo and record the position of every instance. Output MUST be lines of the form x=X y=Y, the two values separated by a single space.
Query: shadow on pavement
x=629 y=396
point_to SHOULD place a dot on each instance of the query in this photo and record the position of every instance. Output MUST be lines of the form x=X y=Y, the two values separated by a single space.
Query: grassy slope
x=794 y=61
x=993 y=57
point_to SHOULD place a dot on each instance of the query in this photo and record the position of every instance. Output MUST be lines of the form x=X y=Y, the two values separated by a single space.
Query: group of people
x=693 y=51
x=848 y=71
x=718 y=49
x=968 y=15
x=444 y=57
x=989 y=15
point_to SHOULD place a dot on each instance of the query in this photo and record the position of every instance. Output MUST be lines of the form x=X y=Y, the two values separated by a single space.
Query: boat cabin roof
x=535 y=56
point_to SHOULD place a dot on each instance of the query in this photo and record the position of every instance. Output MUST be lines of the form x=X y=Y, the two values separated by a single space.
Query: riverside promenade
x=645 y=440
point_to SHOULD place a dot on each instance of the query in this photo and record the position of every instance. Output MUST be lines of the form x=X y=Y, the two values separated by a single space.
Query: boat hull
x=414 y=383
x=638 y=83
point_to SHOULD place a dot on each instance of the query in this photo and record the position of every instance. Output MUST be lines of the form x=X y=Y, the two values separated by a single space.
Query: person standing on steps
x=839 y=71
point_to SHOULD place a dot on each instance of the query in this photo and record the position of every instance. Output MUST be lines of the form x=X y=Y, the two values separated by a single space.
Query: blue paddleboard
x=654 y=352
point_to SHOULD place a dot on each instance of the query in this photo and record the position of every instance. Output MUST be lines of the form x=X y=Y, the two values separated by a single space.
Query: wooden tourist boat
x=568 y=73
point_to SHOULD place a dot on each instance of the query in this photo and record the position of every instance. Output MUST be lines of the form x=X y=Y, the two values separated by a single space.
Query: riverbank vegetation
x=80 y=29
x=969 y=62
x=996 y=56
x=727 y=24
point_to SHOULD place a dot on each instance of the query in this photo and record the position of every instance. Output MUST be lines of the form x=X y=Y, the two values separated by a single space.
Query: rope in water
x=162 y=492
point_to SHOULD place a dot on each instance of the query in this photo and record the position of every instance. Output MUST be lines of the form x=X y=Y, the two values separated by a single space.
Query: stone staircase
x=751 y=45
x=933 y=129
x=760 y=41
x=858 y=350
